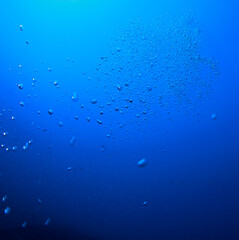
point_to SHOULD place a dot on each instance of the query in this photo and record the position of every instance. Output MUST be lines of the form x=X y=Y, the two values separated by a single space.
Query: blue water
x=119 y=120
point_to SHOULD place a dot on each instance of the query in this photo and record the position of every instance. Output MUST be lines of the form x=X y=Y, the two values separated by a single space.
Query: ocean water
x=119 y=120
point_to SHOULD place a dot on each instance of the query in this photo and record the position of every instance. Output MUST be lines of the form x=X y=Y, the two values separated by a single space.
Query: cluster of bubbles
x=14 y=148
x=149 y=69
x=158 y=67
x=7 y=211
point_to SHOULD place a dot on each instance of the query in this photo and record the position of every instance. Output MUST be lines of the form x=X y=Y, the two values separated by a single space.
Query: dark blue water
x=119 y=120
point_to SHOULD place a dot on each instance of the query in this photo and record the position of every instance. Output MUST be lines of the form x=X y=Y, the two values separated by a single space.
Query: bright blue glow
x=90 y=89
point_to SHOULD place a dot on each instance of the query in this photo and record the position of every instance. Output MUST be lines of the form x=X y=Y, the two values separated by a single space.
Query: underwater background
x=119 y=119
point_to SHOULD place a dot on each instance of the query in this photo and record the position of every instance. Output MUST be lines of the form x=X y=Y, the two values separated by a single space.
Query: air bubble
x=213 y=116
x=24 y=224
x=74 y=97
x=73 y=140
x=7 y=210
x=93 y=101
x=50 y=111
x=20 y=86
x=14 y=148
x=99 y=121
x=142 y=162
x=4 y=198
x=47 y=222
